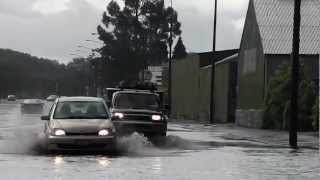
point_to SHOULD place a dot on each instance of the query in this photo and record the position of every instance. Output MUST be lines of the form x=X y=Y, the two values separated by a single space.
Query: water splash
x=172 y=142
x=139 y=145
x=23 y=141
x=136 y=145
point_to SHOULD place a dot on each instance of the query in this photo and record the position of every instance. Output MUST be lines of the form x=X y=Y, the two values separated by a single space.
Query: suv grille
x=137 y=117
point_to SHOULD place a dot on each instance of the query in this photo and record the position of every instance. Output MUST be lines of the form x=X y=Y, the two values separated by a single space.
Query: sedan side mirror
x=45 y=118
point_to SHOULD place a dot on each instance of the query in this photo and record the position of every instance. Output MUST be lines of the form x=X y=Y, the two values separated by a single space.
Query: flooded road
x=190 y=151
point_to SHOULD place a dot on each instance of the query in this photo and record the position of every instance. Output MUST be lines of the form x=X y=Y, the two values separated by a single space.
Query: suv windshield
x=80 y=110
x=136 y=101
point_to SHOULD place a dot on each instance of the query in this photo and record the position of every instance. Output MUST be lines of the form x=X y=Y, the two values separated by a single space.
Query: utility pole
x=295 y=75
x=213 y=64
x=170 y=61
x=93 y=74
x=99 y=77
x=57 y=88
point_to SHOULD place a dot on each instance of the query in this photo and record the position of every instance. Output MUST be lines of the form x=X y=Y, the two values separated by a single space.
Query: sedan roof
x=32 y=101
x=135 y=92
x=80 y=98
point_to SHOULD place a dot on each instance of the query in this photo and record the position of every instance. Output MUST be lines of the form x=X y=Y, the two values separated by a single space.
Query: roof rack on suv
x=135 y=87
x=146 y=86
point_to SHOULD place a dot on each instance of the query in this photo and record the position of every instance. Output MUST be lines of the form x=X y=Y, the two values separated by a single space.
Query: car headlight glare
x=59 y=132
x=119 y=115
x=156 y=117
x=103 y=132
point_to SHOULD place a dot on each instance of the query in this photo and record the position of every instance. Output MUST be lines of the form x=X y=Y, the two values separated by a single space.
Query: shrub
x=277 y=102
x=315 y=115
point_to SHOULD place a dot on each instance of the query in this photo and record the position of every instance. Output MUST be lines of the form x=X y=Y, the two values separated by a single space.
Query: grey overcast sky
x=54 y=28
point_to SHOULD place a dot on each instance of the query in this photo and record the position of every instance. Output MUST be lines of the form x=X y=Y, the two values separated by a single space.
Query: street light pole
x=78 y=56
x=170 y=62
x=84 y=47
x=82 y=51
x=213 y=64
x=93 y=41
x=295 y=75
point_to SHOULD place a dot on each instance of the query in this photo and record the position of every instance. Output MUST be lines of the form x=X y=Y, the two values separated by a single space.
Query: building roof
x=233 y=58
x=205 y=58
x=275 y=20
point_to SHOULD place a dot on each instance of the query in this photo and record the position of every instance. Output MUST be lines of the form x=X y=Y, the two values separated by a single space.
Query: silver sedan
x=32 y=106
x=79 y=123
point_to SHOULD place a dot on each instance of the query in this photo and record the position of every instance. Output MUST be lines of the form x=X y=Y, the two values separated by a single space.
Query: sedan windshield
x=137 y=101
x=80 y=110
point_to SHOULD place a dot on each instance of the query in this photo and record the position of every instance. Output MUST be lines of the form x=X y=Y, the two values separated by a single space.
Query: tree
x=135 y=36
x=278 y=104
x=28 y=76
x=179 y=50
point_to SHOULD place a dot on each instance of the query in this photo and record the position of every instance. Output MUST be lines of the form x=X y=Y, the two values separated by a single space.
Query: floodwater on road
x=190 y=151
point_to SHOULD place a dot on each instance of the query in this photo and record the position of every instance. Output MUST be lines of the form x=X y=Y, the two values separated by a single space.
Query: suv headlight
x=59 y=132
x=156 y=117
x=103 y=132
x=119 y=115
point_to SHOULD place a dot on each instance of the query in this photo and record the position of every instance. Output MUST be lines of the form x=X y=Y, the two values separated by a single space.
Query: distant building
x=191 y=84
x=156 y=74
x=267 y=43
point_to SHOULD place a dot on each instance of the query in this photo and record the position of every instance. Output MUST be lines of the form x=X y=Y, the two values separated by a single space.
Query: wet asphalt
x=190 y=151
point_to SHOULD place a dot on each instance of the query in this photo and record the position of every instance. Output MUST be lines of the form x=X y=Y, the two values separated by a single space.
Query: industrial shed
x=266 y=44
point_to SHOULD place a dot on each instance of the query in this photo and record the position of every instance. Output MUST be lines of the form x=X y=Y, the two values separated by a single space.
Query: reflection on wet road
x=190 y=151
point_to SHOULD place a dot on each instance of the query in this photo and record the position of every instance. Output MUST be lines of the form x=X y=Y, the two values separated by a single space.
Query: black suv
x=138 y=111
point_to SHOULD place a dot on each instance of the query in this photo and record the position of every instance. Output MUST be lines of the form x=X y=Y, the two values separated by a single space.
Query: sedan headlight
x=103 y=132
x=119 y=115
x=59 y=132
x=156 y=117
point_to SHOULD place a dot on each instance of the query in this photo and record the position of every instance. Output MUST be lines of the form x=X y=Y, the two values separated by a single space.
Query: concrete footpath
x=256 y=137
x=269 y=137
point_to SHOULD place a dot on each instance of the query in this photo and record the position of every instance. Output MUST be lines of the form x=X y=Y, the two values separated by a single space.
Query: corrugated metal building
x=191 y=86
x=267 y=43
